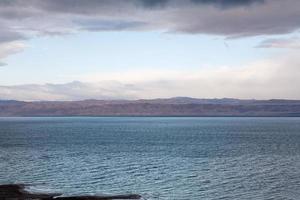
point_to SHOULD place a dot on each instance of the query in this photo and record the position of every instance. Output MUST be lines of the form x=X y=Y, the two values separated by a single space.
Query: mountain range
x=177 y=106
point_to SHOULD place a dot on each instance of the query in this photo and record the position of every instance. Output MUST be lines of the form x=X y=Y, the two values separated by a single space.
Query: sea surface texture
x=160 y=158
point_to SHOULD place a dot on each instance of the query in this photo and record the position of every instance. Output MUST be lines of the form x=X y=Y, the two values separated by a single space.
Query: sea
x=166 y=158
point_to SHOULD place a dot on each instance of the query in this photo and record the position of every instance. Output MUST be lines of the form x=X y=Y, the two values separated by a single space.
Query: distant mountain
x=177 y=106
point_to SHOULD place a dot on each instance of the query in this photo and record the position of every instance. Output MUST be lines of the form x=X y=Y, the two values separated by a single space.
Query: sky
x=116 y=49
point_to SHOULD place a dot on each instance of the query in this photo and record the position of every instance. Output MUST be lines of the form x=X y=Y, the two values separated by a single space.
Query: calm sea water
x=159 y=158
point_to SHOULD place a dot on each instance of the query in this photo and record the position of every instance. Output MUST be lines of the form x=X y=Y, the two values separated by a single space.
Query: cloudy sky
x=116 y=49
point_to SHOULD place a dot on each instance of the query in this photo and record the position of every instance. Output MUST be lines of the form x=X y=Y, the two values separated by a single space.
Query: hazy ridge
x=177 y=106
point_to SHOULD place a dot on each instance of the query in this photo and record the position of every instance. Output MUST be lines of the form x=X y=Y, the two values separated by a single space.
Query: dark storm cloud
x=229 y=18
x=153 y=3
x=9 y=36
x=7 y=2
x=265 y=18
x=239 y=18
x=94 y=6
x=77 y=6
x=228 y=3
x=81 y=5
x=106 y=25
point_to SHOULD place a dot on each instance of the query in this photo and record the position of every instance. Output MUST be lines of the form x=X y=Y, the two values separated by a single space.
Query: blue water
x=159 y=158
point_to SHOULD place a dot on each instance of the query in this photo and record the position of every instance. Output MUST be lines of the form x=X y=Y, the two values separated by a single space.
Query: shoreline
x=19 y=192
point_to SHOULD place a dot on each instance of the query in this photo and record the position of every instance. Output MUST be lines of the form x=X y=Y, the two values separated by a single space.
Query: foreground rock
x=17 y=192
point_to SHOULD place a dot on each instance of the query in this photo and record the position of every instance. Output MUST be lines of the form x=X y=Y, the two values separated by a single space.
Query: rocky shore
x=18 y=192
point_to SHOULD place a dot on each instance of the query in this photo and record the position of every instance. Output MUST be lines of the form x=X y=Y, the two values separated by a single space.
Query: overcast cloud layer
x=20 y=20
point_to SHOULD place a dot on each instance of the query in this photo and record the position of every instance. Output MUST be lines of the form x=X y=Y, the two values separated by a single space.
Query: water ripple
x=159 y=158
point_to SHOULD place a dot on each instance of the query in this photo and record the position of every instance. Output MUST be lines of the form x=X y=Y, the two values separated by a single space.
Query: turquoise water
x=159 y=158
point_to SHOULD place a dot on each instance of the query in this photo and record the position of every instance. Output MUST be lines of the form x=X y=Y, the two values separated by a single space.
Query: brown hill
x=179 y=106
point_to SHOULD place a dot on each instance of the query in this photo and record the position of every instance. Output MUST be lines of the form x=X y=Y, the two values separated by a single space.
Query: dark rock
x=18 y=192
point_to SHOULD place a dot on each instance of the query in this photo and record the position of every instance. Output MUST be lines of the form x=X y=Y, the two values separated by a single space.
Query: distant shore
x=172 y=107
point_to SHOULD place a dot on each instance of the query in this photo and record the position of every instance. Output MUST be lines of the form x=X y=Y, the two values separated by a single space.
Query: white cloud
x=266 y=79
x=284 y=43
x=9 y=48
